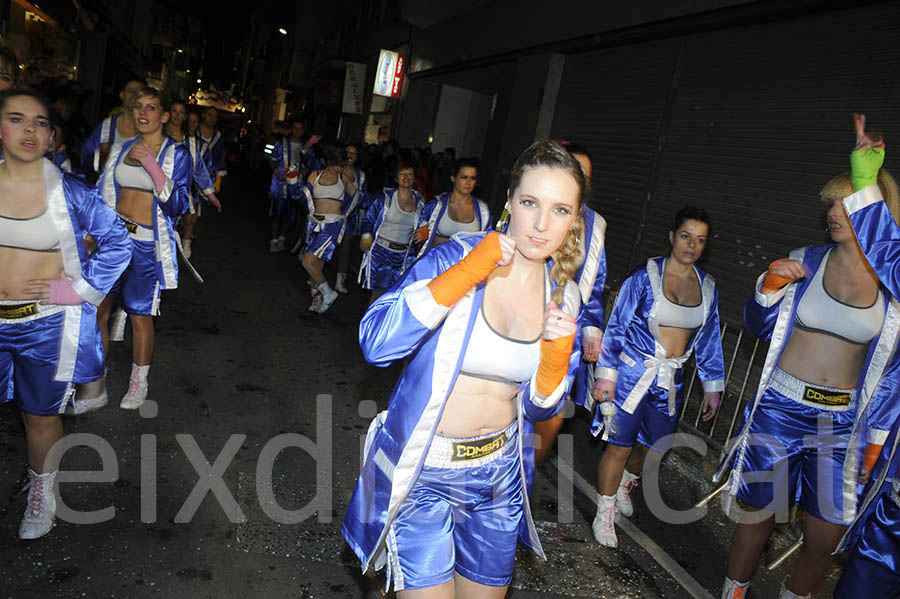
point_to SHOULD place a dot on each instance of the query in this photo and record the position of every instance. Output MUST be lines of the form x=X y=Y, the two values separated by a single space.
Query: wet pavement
x=242 y=369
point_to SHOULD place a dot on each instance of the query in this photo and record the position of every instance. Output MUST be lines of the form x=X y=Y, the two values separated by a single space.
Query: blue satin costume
x=591 y=279
x=105 y=132
x=782 y=436
x=154 y=264
x=213 y=154
x=283 y=197
x=382 y=266
x=648 y=392
x=872 y=568
x=202 y=184
x=324 y=236
x=403 y=323
x=355 y=216
x=431 y=216
x=42 y=356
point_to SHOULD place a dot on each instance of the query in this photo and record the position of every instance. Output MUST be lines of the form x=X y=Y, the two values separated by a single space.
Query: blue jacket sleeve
x=102 y=269
x=883 y=413
x=614 y=339
x=175 y=198
x=90 y=146
x=878 y=234
x=397 y=322
x=761 y=310
x=708 y=351
x=593 y=310
x=201 y=176
x=371 y=215
x=220 y=168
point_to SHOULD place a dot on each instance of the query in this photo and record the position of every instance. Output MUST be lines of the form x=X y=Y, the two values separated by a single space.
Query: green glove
x=864 y=166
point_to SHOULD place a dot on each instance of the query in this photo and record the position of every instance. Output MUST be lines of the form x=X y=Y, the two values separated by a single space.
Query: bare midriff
x=675 y=340
x=821 y=359
x=136 y=206
x=327 y=206
x=18 y=266
x=477 y=406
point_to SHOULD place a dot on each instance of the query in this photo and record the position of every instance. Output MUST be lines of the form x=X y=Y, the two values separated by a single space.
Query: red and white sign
x=354 y=78
x=389 y=74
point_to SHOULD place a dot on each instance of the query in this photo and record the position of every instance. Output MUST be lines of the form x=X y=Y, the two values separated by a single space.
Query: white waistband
x=43 y=310
x=793 y=388
x=386 y=244
x=443 y=450
x=328 y=218
x=137 y=230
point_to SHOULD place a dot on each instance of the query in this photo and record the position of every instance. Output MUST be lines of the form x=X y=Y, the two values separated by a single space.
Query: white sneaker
x=40 y=512
x=137 y=388
x=623 y=493
x=316 y=301
x=786 y=593
x=604 y=525
x=282 y=244
x=733 y=589
x=328 y=297
x=187 y=248
x=273 y=246
x=340 y=285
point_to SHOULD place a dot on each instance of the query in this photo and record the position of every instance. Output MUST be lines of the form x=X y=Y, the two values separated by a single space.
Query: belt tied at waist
x=661 y=368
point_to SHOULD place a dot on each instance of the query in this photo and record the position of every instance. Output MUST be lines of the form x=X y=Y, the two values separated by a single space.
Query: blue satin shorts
x=801 y=450
x=139 y=285
x=871 y=569
x=385 y=268
x=29 y=355
x=462 y=518
x=650 y=421
x=323 y=238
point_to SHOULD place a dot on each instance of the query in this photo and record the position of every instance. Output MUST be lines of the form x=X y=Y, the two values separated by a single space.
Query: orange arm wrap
x=554 y=363
x=454 y=282
x=772 y=281
x=870 y=456
x=421 y=234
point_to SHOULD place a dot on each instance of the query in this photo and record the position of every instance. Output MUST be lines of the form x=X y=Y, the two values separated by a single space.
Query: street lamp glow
x=180 y=51
x=282 y=31
x=199 y=81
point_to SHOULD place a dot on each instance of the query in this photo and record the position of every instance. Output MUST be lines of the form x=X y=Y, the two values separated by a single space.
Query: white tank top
x=447 y=227
x=134 y=177
x=398 y=224
x=820 y=313
x=37 y=233
x=335 y=191
x=496 y=357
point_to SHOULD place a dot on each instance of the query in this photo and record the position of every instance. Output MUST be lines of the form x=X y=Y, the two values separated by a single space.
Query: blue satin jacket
x=431 y=216
x=202 y=182
x=403 y=323
x=283 y=158
x=879 y=237
x=105 y=132
x=632 y=335
x=173 y=201
x=77 y=210
x=213 y=154
x=372 y=220
x=771 y=317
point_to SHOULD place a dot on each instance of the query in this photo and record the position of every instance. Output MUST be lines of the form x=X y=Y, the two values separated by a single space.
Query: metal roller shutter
x=612 y=102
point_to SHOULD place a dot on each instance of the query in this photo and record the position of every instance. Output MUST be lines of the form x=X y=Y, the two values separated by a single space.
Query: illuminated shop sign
x=389 y=74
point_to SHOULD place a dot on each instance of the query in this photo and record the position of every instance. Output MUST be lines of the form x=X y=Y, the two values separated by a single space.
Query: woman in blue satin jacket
x=51 y=288
x=872 y=568
x=442 y=496
x=147 y=182
x=665 y=311
x=826 y=400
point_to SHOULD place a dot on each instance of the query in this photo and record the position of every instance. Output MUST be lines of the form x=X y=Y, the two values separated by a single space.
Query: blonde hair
x=841 y=186
x=567 y=258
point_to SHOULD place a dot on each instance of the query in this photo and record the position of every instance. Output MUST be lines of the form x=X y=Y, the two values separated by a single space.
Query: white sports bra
x=496 y=357
x=134 y=177
x=37 y=233
x=447 y=227
x=670 y=314
x=335 y=191
x=819 y=312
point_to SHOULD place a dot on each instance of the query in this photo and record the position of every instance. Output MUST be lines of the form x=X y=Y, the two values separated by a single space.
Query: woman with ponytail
x=665 y=311
x=489 y=330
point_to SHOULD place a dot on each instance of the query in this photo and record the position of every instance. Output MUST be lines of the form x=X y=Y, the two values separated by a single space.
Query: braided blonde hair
x=568 y=256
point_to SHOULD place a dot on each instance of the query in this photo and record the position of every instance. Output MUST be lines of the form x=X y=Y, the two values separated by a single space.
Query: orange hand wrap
x=870 y=456
x=774 y=282
x=554 y=363
x=454 y=282
x=421 y=234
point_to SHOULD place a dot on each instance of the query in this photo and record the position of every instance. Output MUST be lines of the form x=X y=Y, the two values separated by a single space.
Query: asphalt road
x=268 y=403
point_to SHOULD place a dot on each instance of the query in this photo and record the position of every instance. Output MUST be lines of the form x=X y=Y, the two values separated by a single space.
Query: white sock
x=786 y=594
x=141 y=371
x=325 y=288
x=628 y=476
